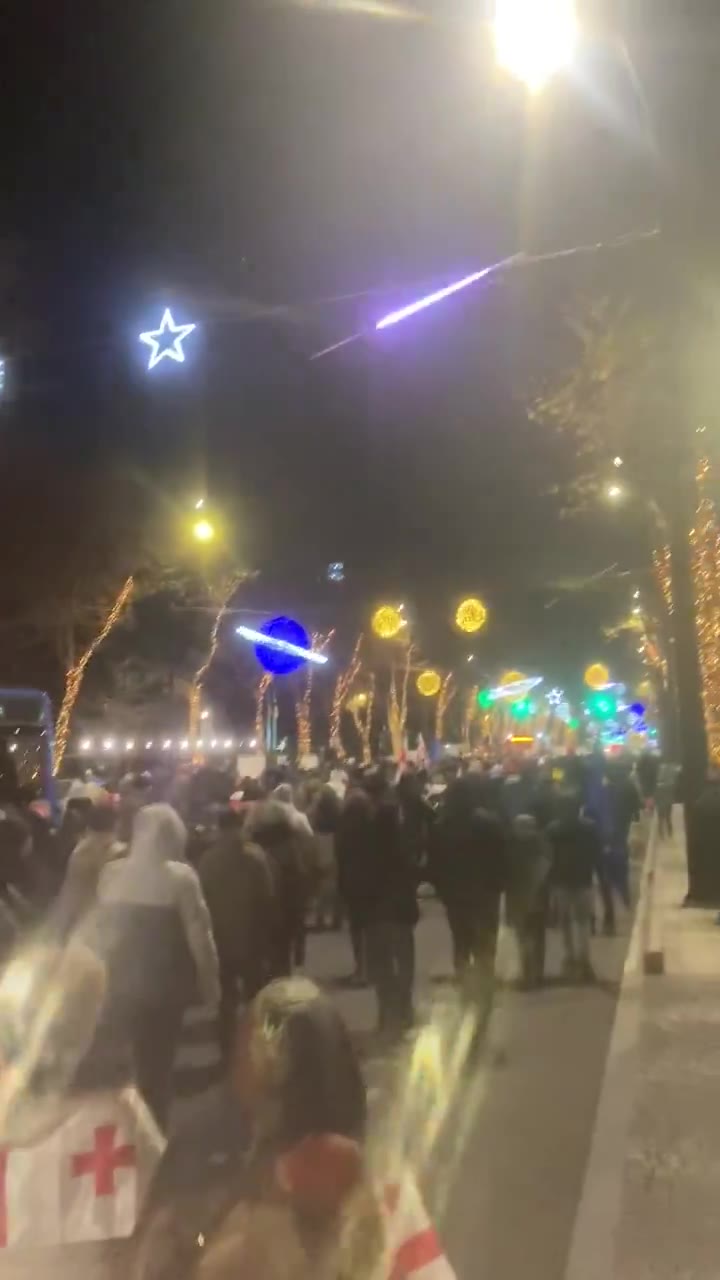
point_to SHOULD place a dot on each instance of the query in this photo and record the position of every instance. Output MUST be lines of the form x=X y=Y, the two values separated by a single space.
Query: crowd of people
x=131 y=921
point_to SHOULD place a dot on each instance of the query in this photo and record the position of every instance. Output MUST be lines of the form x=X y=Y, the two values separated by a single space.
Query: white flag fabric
x=415 y=1249
x=84 y=1181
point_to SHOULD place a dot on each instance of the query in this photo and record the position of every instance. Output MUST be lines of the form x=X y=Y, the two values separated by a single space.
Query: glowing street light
x=203 y=531
x=534 y=39
x=615 y=492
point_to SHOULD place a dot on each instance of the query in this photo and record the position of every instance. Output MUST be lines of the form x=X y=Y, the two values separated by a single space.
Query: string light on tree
x=74 y=676
x=167 y=341
x=471 y=616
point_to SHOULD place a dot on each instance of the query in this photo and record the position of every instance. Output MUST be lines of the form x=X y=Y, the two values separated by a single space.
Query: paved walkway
x=501 y=1150
x=651 y=1203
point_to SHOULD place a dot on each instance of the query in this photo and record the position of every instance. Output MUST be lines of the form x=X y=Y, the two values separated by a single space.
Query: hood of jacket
x=158 y=836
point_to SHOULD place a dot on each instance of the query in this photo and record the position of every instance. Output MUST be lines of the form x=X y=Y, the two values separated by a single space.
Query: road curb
x=591 y=1255
x=652 y=935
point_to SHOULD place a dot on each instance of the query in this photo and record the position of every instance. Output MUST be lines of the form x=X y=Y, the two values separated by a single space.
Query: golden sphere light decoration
x=387 y=621
x=597 y=676
x=203 y=531
x=471 y=616
x=429 y=683
x=511 y=677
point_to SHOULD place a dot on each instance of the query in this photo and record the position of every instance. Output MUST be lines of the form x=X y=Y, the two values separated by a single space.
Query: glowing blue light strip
x=412 y=309
x=284 y=646
x=517 y=689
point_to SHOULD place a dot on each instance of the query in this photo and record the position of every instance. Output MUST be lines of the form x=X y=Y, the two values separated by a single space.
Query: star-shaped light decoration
x=167 y=340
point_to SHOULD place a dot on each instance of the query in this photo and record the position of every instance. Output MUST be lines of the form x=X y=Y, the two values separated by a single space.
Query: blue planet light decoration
x=282 y=645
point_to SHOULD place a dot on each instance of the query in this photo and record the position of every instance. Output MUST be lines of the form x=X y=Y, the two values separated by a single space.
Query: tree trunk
x=703 y=878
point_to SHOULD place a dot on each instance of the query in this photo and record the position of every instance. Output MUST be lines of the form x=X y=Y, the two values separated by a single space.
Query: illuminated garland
x=75 y=674
x=363 y=723
x=263 y=685
x=705 y=547
x=445 y=697
x=303 y=717
x=196 y=689
x=470 y=713
x=397 y=707
x=343 y=685
x=705 y=542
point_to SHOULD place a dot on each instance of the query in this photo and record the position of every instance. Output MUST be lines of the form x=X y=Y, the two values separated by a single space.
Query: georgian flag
x=84 y=1181
x=415 y=1249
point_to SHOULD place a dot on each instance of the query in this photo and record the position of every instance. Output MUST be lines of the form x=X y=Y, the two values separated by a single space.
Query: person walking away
x=95 y=849
x=624 y=806
x=153 y=928
x=305 y=1196
x=238 y=887
x=324 y=817
x=355 y=867
x=417 y=820
x=665 y=797
x=470 y=871
x=79 y=1146
x=577 y=858
x=527 y=897
x=305 y=839
x=271 y=826
x=392 y=909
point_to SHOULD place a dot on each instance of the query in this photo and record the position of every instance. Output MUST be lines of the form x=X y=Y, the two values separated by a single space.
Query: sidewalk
x=651 y=1201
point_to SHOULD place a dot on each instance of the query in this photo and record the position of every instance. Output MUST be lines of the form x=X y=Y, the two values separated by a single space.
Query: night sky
x=246 y=163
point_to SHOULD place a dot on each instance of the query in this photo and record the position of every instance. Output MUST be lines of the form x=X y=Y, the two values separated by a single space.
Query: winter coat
x=153 y=923
x=469 y=863
x=238 y=886
x=377 y=878
x=86 y=864
x=270 y=824
x=577 y=852
x=300 y=824
x=530 y=860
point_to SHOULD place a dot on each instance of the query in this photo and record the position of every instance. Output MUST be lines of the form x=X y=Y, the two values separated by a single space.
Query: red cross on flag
x=83 y=1181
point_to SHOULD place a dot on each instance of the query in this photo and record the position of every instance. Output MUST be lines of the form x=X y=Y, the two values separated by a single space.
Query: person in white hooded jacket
x=154 y=931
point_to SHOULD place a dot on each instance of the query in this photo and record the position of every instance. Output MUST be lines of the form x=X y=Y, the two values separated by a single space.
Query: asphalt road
x=500 y=1149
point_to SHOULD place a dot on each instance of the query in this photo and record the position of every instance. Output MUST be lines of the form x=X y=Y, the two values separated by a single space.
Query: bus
x=26 y=746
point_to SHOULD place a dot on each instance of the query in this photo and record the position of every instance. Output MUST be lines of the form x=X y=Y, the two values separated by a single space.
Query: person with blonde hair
x=299 y=1200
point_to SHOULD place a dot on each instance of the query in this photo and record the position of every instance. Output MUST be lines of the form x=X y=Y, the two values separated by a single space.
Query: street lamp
x=615 y=492
x=534 y=39
x=203 y=531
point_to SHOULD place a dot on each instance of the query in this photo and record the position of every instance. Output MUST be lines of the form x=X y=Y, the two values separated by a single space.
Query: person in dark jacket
x=470 y=872
x=577 y=858
x=324 y=813
x=238 y=885
x=385 y=891
x=354 y=872
x=418 y=818
x=272 y=826
x=624 y=809
x=527 y=895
